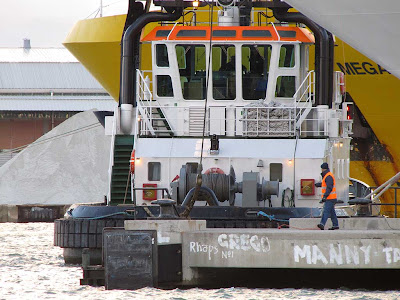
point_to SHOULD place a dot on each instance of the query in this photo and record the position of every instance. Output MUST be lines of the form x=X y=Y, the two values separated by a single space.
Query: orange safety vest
x=332 y=195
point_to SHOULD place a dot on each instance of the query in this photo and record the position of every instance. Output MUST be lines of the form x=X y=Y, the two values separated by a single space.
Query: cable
x=115 y=2
x=96 y=11
x=207 y=80
x=190 y=205
x=68 y=133
x=344 y=64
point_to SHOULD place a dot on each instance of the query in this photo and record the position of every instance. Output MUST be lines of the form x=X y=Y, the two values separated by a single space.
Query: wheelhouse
x=244 y=65
x=247 y=64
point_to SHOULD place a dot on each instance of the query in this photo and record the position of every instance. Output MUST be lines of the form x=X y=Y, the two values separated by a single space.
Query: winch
x=223 y=187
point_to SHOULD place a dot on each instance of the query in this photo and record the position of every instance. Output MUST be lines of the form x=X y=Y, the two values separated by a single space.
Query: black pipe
x=130 y=52
x=331 y=66
x=205 y=189
x=321 y=51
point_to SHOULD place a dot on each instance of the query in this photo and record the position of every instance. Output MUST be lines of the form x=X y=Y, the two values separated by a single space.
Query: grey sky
x=47 y=22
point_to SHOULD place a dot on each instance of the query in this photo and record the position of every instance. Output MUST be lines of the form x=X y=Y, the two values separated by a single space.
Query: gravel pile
x=67 y=165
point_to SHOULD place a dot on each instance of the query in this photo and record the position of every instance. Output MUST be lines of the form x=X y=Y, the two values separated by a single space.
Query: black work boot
x=320 y=226
x=334 y=228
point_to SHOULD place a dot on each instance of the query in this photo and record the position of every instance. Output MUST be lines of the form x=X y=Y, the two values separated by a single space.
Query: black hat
x=324 y=166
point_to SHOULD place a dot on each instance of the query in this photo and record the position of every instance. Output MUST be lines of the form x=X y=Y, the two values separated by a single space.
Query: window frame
x=281 y=172
x=153 y=163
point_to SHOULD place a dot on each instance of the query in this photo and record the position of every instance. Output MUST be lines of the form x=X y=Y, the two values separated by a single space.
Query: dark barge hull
x=84 y=224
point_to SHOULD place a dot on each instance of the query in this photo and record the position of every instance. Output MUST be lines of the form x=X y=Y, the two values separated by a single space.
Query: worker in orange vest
x=329 y=198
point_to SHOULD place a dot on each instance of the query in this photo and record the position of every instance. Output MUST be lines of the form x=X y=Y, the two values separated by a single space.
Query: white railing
x=144 y=100
x=258 y=121
x=306 y=90
x=149 y=110
x=272 y=119
x=304 y=98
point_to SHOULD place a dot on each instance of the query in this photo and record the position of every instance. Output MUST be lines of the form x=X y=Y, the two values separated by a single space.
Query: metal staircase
x=304 y=98
x=152 y=117
x=160 y=123
x=120 y=181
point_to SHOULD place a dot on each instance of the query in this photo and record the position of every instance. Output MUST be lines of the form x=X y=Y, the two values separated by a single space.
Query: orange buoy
x=132 y=162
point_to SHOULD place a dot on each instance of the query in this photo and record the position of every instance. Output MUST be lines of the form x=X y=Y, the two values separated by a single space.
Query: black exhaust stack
x=130 y=48
x=323 y=53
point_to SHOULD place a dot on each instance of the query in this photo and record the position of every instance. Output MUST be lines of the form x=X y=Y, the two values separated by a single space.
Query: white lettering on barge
x=229 y=243
x=339 y=254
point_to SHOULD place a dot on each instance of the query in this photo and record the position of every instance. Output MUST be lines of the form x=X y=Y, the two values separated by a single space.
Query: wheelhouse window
x=164 y=86
x=162 y=55
x=287 y=33
x=192 y=70
x=285 y=86
x=224 y=72
x=255 y=61
x=287 y=56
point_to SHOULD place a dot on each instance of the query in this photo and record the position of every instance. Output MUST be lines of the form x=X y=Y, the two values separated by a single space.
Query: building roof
x=36 y=76
x=48 y=79
x=19 y=55
x=56 y=103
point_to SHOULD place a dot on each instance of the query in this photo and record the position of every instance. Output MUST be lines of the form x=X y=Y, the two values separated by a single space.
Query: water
x=32 y=268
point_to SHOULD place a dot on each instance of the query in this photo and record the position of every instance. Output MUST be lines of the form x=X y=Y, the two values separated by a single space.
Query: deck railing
x=253 y=120
x=244 y=121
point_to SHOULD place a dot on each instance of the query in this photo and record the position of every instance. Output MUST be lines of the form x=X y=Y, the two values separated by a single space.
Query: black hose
x=322 y=51
x=205 y=189
x=130 y=52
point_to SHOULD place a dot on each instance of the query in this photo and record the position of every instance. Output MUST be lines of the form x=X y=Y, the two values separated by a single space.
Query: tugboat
x=229 y=104
x=228 y=128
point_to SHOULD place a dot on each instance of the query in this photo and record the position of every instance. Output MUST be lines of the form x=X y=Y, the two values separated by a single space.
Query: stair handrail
x=146 y=109
x=305 y=90
x=111 y=164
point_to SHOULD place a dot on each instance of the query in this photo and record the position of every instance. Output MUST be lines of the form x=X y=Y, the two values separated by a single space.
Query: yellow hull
x=96 y=44
x=375 y=92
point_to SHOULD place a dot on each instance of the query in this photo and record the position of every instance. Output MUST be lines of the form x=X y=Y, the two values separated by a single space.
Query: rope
x=207 y=80
x=147 y=210
x=190 y=205
x=270 y=217
x=298 y=228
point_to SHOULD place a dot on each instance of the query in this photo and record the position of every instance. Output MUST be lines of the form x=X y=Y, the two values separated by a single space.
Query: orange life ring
x=342 y=83
x=214 y=171
x=132 y=162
